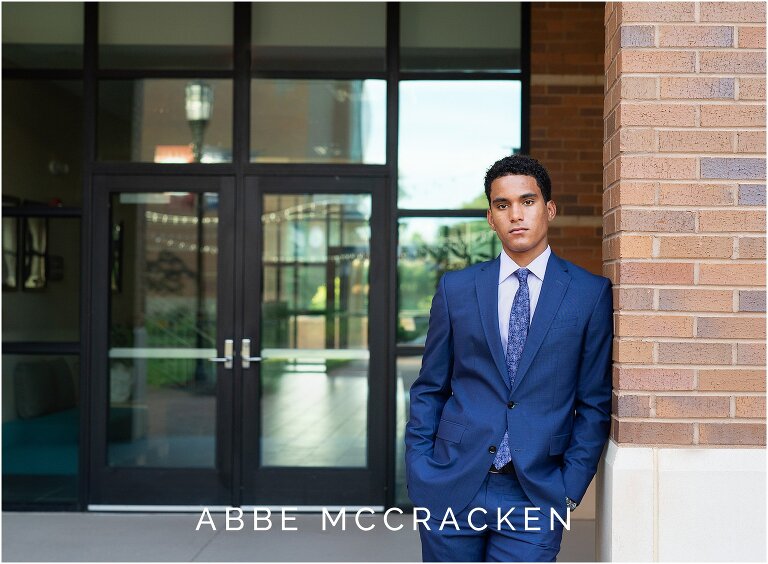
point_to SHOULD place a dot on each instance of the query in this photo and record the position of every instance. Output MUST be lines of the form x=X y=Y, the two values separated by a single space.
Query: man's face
x=520 y=217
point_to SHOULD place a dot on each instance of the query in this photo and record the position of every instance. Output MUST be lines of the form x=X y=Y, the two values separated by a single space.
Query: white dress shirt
x=508 y=284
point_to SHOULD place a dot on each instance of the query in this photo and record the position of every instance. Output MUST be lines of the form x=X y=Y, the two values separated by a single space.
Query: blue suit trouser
x=498 y=542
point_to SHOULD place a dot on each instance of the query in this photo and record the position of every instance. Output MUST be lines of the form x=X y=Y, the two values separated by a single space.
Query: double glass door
x=235 y=356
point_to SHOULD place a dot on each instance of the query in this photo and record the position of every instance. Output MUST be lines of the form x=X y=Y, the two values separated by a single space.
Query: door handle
x=229 y=346
x=245 y=354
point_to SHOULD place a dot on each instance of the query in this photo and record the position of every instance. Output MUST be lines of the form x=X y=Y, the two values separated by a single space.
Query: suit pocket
x=450 y=431
x=558 y=444
x=565 y=322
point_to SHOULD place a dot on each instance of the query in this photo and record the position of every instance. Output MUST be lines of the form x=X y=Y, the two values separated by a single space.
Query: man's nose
x=515 y=212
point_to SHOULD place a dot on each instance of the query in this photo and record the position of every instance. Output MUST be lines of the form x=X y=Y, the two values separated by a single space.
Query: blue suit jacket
x=460 y=403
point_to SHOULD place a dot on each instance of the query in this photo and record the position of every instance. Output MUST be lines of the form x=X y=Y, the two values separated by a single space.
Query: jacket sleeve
x=432 y=388
x=592 y=422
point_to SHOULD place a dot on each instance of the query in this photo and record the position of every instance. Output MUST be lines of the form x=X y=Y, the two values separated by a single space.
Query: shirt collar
x=538 y=265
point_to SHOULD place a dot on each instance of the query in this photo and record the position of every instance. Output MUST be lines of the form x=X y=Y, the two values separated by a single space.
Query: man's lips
x=518 y=230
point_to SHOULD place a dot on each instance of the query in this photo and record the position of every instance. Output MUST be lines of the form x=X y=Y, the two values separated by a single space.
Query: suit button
x=492 y=449
x=511 y=405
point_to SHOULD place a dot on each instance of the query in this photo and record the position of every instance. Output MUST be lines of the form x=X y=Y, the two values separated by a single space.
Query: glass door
x=313 y=406
x=163 y=343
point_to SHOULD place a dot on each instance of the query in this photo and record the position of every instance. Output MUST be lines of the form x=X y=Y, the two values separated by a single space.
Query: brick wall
x=567 y=78
x=684 y=205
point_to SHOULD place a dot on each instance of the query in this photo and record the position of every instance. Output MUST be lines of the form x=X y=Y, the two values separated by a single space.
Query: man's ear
x=551 y=210
x=489 y=217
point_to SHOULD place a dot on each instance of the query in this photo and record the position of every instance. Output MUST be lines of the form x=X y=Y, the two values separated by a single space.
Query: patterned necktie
x=519 y=317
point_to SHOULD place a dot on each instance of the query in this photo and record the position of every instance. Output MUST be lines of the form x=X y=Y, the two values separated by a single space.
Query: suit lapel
x=556 y=280
x=487 y=288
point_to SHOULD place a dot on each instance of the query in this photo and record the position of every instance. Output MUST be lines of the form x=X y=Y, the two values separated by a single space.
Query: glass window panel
x=318 y=35
x=41 y=298
x=428 y=248
x=407 y=371
x=442 y=161
x=42 y=35
x=321 y=121
x=315 y=330
x=157 y=120
x=42 y=141
x=165 y=35
x=41 y=428
x=446 y=36
x=163 y=279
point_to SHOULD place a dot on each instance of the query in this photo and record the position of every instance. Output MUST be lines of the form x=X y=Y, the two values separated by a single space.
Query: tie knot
x=522 y=275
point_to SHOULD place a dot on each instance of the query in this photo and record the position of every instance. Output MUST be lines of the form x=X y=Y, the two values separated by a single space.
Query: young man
x=512 y=405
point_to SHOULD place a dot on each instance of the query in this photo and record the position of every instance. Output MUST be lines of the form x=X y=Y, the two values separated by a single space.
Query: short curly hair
x=523 y=165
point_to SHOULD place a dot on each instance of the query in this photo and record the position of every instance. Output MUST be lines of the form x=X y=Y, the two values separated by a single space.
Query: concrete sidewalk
x=141 y=537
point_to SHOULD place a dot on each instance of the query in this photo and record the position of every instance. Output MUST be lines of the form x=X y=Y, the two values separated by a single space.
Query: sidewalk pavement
x=163 y=537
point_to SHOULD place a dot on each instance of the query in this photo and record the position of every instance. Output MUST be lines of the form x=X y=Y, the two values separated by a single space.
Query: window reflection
x=41 y=428
x=165 y=35
x=163 y=329
x=428 y=248
x=460 y=36
x=314 y=380
x=450 y=133
x=44 y=305
x=318 y=35
x=153 y=120
x=42 y=35
x=321 y=121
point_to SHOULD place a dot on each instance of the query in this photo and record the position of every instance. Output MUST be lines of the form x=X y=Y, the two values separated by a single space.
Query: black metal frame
x=240 y=170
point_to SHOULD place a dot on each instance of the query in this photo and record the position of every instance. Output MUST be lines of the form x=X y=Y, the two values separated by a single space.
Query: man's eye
x=528 y=202
x=502 y=206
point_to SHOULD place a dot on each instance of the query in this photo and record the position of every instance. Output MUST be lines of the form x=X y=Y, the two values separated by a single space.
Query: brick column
x=567 y=78
x=684 y=244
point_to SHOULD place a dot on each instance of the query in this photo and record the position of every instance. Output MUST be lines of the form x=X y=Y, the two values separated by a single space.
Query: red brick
x=695 y=300
x=732 y=274
x=671 y=379
x=732 y=380
x=751 y=89
x=632 y=351
x=731 y=62
x=636 y=88
x=750 y=406
x=731 y=327
x=752 y=37
x=656 y=12
x=750 y=354
x=695 y=353
x=654 y=326
x=647 y=61
x=656 y=221
x=731 y=220
x=695 y=36
x=696 y=195
x=627 y=246
x=631 y=405
x=732 y=12
x=695 y=141
x=635 y=139
x=732 y=115
x=629 y=193
x=653 y=433
x=732 y=434
x=658 y=115
x=751 y=247
x=670 y=407
x=655 y=273
x=633 y=298
x=686 y=88
x=750 y=142
x=665 y=168
x=695 y=247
